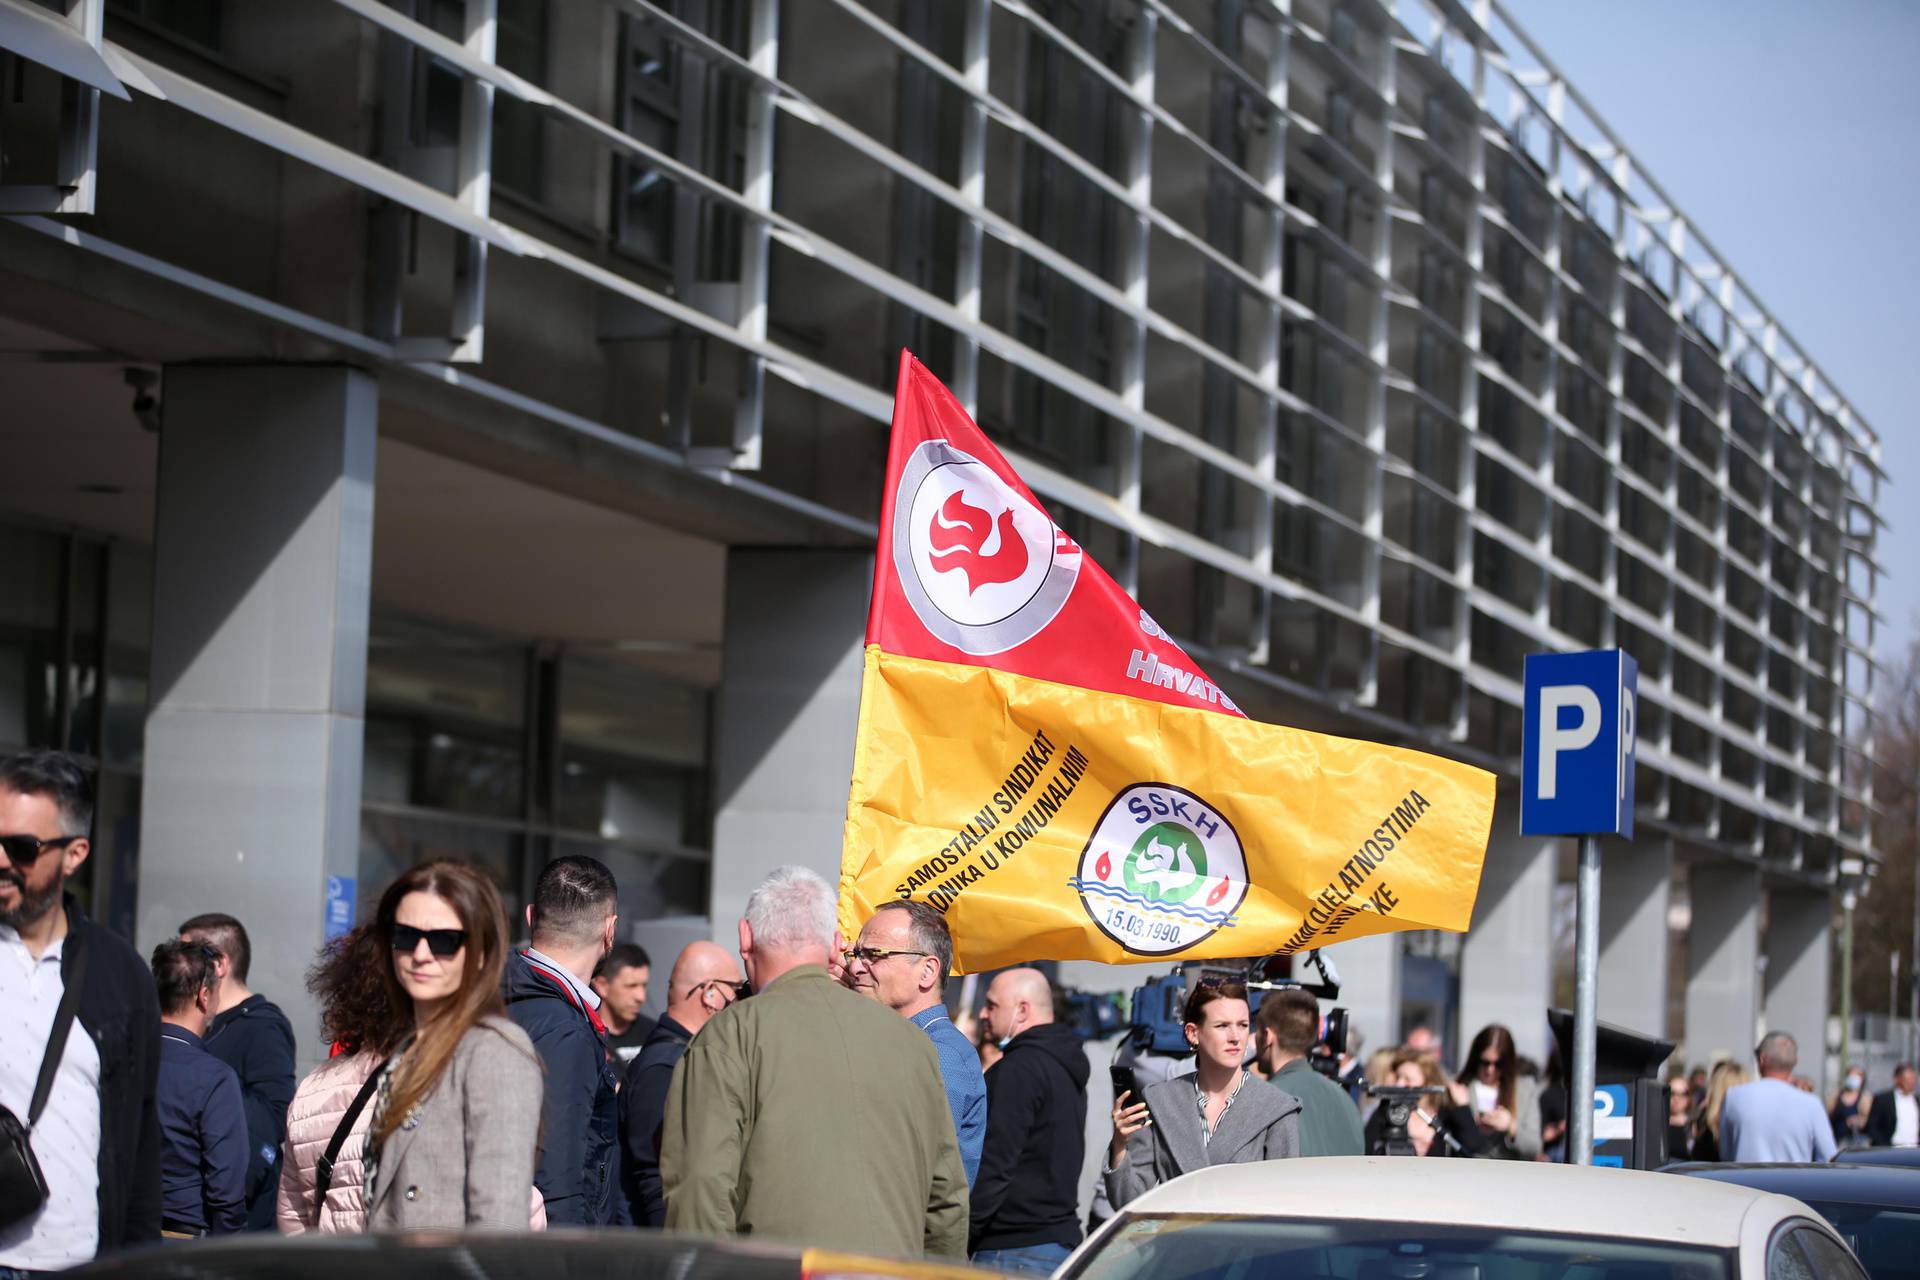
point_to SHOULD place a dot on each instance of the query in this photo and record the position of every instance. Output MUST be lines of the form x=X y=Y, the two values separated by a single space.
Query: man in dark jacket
x=1026 y=1201
x=705 y=980
x=548 y=992
x=203 y=1121
x=1894 y=1120
x=251 y=1035
x=104 y=1188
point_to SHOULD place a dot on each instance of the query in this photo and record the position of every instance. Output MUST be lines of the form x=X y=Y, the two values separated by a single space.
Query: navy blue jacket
x=578 y=1172
x=256 y=1040
x=203 y=1137
x=643 y=1109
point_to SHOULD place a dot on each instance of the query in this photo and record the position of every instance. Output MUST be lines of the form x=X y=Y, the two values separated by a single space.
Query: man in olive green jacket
x=1289 y=1026
x=810 y=1114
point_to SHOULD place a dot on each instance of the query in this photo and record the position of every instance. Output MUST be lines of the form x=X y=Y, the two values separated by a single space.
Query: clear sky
x=1786 y=131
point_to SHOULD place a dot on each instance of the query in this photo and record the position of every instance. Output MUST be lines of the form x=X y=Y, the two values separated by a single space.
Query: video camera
x=1398 y=1103
x=1159 y=1007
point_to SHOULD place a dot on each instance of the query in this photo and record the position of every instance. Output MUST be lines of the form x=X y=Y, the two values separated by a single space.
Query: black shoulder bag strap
x=323 y=1167
x=62 y=1023
x=23 y=1187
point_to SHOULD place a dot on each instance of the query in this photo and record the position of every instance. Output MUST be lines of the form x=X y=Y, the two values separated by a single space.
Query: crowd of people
x=470 y=1082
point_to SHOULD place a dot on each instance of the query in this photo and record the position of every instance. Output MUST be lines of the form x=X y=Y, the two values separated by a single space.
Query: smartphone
x=1123 y=1082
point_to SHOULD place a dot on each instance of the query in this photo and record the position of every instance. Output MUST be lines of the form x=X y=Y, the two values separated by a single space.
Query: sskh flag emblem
x=1037 y=760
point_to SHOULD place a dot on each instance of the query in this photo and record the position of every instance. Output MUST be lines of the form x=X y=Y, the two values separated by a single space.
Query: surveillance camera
x=146 y=405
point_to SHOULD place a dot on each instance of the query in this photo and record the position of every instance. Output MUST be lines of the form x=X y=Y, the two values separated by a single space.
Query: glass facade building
x=1343 y=332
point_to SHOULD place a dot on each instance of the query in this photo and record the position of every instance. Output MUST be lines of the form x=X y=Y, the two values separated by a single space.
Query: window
x=435 y=117
x=649 y=109
x=519 y=129
x=1209 y=1248
x=195 y=20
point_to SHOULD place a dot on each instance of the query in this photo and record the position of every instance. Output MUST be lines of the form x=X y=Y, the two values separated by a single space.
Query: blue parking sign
x=340 y=907
x=1578 y=743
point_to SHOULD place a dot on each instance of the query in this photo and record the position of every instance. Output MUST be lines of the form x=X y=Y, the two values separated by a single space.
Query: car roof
x=1505 y=1194
x=1892 y=1186
x=1890 y=1157
x=512 y=1255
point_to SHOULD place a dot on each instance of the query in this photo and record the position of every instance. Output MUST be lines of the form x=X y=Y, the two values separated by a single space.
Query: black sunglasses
x=444 y=943
x=24 y=851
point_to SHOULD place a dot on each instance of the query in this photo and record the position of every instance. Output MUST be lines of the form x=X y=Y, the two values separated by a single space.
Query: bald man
x=706 y=979
x=1026 y=1200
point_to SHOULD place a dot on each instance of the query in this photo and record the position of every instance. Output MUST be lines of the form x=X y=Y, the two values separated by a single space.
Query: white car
x=1401 y=1218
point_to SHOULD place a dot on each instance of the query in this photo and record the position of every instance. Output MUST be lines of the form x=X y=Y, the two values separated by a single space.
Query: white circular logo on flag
x=1162 y=871
x=984 y=569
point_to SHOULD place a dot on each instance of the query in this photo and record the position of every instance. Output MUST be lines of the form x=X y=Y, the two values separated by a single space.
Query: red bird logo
x=959 y=537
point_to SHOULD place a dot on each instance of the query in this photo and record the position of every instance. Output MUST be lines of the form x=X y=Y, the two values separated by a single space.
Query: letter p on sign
x=1556 y=735
x=1578 y=744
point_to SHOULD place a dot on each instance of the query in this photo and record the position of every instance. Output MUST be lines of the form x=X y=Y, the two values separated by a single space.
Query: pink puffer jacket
x=317 y=1107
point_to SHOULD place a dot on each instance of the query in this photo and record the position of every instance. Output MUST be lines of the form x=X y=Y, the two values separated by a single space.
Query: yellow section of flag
x=1050 y=821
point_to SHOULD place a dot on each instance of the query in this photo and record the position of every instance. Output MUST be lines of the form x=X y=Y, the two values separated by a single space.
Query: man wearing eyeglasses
x=705 y=980
x=98 y=1140
x=902 y=960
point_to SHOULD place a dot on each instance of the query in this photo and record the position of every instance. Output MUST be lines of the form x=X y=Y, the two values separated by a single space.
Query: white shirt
x=1906 y=1120
x=66 y=1231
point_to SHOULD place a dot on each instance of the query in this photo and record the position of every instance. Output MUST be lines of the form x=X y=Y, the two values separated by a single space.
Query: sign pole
x=1579 y=722
x=1586 y=988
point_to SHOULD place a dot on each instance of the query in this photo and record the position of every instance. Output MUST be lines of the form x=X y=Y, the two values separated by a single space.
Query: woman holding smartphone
x=457 y=1112
x=1213 y=1116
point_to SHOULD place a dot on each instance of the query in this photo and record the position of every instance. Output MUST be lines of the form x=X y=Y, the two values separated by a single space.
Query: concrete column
x=1506 y=958
x=263 y=552
x=1369 y=970
x=1636 y=880
x=789 y=703
x=1799 y=953
x=1723 y=961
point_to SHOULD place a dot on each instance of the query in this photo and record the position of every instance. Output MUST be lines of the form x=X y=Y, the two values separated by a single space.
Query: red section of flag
x=972 y=569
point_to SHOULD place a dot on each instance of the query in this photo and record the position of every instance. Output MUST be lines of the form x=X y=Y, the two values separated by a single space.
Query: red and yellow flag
x=1040 y=763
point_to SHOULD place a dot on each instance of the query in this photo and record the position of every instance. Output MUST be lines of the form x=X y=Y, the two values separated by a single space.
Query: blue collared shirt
x=966 y=1085
x=203 y=1136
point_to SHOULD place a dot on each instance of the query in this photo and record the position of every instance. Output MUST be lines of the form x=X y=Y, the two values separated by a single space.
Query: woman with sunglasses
x=1213 y=1116
x=1505 y=1103
x=456 y=1110
x=330 y=1111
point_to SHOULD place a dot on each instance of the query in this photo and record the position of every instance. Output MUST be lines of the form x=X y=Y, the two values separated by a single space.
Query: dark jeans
x=1034 y=1260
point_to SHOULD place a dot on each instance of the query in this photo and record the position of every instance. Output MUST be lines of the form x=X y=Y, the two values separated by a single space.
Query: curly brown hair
x=357 y=1013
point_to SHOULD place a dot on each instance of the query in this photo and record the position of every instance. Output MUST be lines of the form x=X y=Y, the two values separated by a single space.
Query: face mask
x=1854 y=1082
x=1003 y=1042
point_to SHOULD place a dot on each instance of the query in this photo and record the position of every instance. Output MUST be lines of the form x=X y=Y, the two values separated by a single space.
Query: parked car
x=574 y=1255
x=1874 y=1207
x=1895 y=1157
x=1387 y=1218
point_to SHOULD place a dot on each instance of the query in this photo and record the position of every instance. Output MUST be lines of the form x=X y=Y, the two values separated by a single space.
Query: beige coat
x=465 y=1155
x=811 y=1115
x=318 y=1105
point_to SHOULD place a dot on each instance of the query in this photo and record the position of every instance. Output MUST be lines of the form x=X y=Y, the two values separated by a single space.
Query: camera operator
x=1288 y=1030
x=1439 y=1123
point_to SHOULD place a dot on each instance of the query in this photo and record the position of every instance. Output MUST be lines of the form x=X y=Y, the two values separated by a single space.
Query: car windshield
x=1887 y=1241
x=1199 y=1247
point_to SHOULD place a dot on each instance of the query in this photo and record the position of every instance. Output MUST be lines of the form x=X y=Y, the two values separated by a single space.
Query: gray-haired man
x=808 y=1114
x=901 y=960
